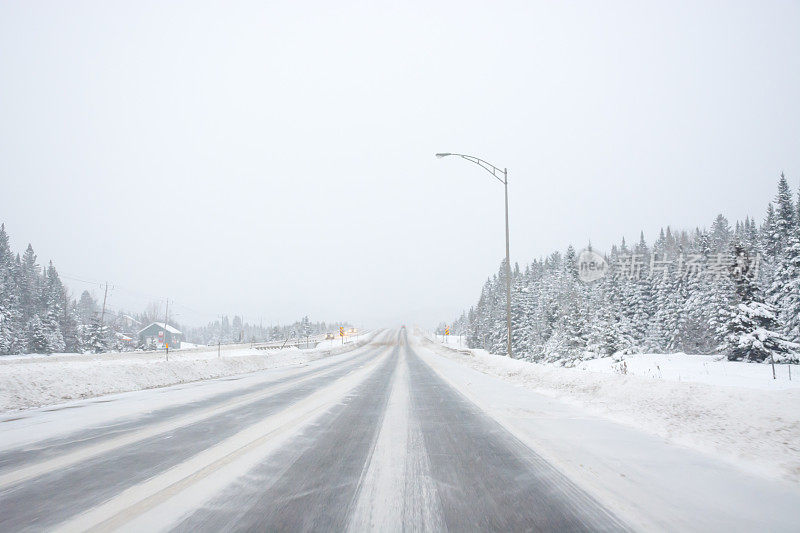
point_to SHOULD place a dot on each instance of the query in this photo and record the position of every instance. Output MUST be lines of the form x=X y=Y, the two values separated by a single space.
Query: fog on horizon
x=277 y=160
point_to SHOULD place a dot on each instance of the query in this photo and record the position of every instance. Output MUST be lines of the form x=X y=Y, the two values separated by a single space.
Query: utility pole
x=219 y=339
x=103 y=312
x=166 y=319
x=103 y=315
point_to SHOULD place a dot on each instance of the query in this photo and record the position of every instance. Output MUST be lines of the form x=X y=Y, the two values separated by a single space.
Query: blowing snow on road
x=370 y=440
x=399 y=266
x=391 y=435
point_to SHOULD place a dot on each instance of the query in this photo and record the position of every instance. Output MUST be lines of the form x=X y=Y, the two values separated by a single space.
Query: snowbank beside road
x=34 y=381
x=757 y=427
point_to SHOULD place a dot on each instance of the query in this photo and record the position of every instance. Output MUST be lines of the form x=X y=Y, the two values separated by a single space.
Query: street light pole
x=508 y=271
x=497 y=173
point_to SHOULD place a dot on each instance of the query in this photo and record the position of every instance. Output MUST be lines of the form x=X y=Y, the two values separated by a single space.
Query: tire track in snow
x=83 y=453
x=396 y=491
x=239 y=452
x=489 y=479
x=310 y=483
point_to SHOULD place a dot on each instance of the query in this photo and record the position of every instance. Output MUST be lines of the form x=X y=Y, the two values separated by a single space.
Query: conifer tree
x=94 y=338
x=784 y=292
x=29 y=277
x=752 y=329
x=10 y=316
x=663 y=332
x=769 y=241
x=720 y=234
x=784 y=225
x=38 y=341
x=52 y=298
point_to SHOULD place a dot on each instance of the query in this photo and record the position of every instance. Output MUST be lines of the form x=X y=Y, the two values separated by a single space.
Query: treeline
x=227 y=331
x=38 y=315
x=733 y=290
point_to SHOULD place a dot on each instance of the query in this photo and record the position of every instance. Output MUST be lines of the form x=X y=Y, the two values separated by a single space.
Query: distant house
x=157 y=334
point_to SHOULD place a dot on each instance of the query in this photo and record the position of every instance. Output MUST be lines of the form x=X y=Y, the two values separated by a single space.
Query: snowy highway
x=392 y=434
x=372 y=439
x=214 y=223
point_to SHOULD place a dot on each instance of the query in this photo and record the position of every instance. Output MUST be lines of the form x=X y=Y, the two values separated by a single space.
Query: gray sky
x=276 y=158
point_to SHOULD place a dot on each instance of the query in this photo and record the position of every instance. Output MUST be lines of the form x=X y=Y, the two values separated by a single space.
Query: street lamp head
x=443 y=154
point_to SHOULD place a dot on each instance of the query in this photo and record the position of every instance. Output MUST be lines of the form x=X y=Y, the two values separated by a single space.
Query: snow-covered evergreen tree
x=721 y=235
x=51 y=301
x=87 y=307
x=38 y=341
x=784 y=292
x=783 y=288
x=10 y=316
x=94 y=338
x=769 y=243
x=784 y=225
x=663 y=334
x=752 y=329
x=29 y=280
x=684 y=307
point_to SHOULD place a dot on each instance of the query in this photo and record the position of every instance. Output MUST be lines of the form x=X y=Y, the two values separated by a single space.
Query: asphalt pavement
x=372 y=440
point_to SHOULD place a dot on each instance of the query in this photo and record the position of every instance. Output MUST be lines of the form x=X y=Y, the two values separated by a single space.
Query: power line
x=250 y=321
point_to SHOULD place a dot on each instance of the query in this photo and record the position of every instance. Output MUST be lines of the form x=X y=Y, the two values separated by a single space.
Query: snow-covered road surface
x=372 y=439
x=388 y=436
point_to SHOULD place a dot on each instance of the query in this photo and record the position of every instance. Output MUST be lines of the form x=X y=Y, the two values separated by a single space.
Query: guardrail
x=311 y=343
x=303 y=343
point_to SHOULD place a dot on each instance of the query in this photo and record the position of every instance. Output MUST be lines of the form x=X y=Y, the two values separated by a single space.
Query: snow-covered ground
x=698 y=369
x=29 y=381
x=734 y=411
x=650 y=482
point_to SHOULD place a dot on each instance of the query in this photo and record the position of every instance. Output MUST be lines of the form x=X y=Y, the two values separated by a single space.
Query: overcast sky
x=275 y=159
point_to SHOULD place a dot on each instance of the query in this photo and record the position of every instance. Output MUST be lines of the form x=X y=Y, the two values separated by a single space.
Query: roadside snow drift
x=734 y=411
x=34 y=381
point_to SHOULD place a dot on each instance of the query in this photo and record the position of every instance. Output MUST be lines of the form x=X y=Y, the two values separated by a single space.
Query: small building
x=157 y=334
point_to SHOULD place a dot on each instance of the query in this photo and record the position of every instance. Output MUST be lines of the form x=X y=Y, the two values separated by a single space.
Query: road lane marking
x=57 y=463
x=262 y=437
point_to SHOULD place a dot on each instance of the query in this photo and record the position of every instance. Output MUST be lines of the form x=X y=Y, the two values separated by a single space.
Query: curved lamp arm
x=498 y=173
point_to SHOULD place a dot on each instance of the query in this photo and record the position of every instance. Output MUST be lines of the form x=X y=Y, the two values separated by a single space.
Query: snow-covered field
x=698 y=369
x=36 y=380
x=735 y=411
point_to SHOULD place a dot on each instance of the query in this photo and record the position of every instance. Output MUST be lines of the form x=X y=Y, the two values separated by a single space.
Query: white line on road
x=252 y=443
x=58 y=463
